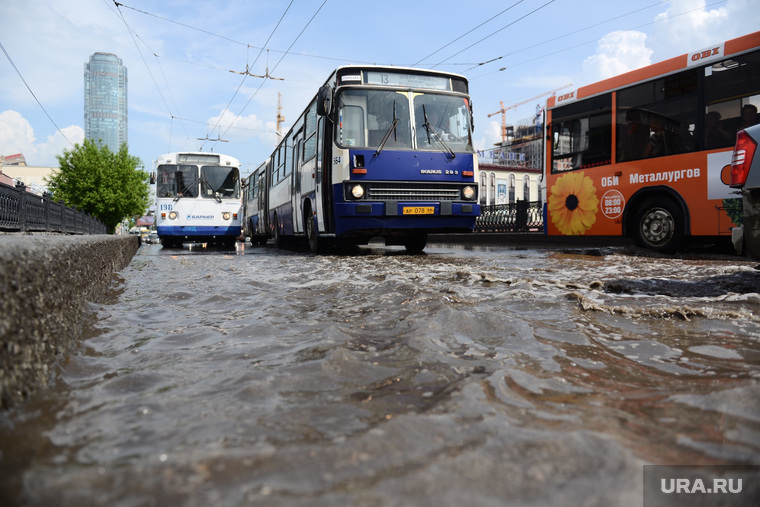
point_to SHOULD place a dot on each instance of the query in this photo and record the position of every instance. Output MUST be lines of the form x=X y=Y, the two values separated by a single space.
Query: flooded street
x=463 y=376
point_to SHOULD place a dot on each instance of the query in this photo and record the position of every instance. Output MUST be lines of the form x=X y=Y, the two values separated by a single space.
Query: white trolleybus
x=380 y=152
x=198 y=199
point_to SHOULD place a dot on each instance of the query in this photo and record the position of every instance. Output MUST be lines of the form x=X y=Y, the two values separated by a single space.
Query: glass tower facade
x=105 y=100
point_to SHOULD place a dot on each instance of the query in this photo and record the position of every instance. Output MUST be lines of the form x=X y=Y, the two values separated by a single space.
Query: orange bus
x=647 y=154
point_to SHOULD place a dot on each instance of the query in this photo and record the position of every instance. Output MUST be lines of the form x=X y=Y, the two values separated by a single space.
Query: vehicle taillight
x=744 y=152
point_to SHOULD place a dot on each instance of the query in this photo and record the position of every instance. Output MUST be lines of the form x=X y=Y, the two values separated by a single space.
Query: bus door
x=322 y=178
x=263 y=199
x=299 y=179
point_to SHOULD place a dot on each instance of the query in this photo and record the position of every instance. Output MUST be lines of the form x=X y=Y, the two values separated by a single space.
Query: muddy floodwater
x=463 y=376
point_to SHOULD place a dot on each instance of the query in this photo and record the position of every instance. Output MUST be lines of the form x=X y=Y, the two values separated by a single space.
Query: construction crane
x=504 y=110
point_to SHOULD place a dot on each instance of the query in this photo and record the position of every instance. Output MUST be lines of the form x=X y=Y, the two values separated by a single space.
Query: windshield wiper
x=430 y=130
x=215 y=193
x=392 y=129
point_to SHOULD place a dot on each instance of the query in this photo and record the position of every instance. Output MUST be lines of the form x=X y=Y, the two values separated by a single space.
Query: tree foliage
x=107 y=185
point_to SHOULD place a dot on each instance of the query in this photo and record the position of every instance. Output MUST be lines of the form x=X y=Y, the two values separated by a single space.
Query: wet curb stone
x=45 y=284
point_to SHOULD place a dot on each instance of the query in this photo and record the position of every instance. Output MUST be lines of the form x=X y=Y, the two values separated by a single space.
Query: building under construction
x=522 y=145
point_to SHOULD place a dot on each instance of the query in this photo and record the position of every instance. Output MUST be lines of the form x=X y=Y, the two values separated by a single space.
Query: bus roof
x=702 y=56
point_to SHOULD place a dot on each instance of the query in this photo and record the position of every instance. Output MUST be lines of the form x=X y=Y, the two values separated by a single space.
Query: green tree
x=107 y=185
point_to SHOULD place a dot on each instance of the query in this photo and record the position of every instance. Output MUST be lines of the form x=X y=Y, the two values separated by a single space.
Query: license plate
x=418 y=210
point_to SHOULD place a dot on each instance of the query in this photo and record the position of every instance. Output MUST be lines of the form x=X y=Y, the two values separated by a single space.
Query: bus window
x=729 y=86
x=177 y=180
x=372 y=112
x=310 y=146
x=658 y=118
x=582 y=134
x=449 y=118
x=220 y=181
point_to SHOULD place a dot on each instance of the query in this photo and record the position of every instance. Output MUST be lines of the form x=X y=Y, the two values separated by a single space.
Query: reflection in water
x=379 y=378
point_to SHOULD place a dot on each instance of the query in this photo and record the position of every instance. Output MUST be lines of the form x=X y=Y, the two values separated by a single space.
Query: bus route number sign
x=418 y=210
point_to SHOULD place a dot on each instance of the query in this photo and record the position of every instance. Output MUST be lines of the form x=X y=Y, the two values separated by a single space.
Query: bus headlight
x=468 y=193
x=226 y=215
x=173 y=215
x=357 y=191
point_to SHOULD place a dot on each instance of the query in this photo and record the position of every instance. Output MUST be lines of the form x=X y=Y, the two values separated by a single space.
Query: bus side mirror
x=324 y=100
x=153 y=178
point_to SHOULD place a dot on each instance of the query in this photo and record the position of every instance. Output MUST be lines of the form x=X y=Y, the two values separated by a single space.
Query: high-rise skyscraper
x=105 y=100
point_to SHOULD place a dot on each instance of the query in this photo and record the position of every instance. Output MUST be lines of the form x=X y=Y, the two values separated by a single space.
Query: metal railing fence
x=21 y=211
x=522 y=216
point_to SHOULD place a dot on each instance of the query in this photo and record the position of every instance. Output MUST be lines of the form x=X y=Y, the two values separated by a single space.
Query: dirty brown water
x=464 y=376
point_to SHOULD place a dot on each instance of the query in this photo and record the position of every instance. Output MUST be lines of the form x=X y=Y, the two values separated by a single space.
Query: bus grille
x=413 y=192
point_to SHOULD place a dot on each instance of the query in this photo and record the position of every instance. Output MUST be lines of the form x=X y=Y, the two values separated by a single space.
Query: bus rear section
x=648 y=154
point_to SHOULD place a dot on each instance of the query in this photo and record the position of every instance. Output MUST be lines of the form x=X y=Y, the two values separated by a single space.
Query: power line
x=494 y=33
x=254 y=62
x=553 y=53
x=275 y=66
x=467 y=33
x=659 y=2
x=33 y=95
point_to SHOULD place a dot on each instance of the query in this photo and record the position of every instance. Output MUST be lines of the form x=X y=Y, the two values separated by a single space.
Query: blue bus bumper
x=378 y=216
x=193 y=231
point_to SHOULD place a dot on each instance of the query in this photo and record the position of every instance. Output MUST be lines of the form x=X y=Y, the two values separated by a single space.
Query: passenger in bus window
x=715 y=135
x=656 y=146
x=749 y=115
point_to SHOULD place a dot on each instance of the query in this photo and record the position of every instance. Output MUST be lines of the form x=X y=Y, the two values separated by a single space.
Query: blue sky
x=179 y=54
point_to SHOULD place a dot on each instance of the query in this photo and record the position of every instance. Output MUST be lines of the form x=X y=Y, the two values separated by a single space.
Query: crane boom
x=504 y=110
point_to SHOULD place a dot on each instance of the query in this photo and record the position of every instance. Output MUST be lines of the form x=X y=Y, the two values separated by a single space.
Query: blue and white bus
x=379 y=152
x=197 y=199
x=254 y=206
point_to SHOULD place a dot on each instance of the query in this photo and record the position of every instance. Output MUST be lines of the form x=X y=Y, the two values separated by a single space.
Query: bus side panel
x=602 y=195
x=280 y=204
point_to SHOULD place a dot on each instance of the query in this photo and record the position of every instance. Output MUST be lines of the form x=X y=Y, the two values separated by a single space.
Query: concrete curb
x=45 y=284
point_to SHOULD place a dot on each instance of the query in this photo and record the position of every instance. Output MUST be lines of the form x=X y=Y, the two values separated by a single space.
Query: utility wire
x=494 y=33
x=467 y=33
x=275 y=67
x=33 y=95
x=570 y=33
x=588 y=41
x=254 y=63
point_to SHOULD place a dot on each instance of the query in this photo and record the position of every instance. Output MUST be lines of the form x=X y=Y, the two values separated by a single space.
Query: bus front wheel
x=416 y=244
x=659 y=226
x=317 y=245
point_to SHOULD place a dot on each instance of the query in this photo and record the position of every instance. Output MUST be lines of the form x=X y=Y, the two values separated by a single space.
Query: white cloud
x=17 y=136
x=617 y=53
x=491 y=135
x=686 y=25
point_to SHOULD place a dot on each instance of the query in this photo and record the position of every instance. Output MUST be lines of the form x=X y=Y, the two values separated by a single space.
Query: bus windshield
x=177 y=181
x=220 y=181
x=442 y=118
x=368 y=117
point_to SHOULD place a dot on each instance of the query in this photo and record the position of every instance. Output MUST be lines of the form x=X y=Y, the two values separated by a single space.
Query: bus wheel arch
x=657 y=219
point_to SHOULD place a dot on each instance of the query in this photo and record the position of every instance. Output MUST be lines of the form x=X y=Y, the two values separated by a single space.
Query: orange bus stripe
x=742 y=43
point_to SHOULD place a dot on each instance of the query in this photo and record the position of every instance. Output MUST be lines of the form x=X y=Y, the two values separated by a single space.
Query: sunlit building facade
x=105 y=100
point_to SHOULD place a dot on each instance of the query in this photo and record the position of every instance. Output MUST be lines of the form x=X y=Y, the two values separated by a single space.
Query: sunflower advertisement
x=573 y=203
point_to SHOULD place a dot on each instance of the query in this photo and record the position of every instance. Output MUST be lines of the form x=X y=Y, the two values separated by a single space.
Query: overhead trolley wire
x=555 y=52
x=245 y=76
x=33 y=95
x=275 y=66
x=494 y=33
x=467 y=33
